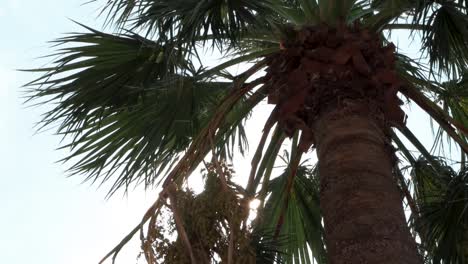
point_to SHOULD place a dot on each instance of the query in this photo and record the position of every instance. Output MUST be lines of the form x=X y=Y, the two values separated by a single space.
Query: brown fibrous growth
x=323 y=68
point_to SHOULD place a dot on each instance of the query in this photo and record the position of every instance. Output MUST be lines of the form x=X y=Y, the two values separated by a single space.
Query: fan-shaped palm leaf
x=295 y=214
x=130 y=107
x=443 y=202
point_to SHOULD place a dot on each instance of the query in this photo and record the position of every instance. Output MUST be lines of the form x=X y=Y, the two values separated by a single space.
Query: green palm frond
x=299 y=219
x=442 y=24
x=265 y=162
x=97 y=63
x=443 y=201
x=421 y=90
x=129 y=105
x=454 y=97
x=310 y=10
x=359 y=11
x=335 y=11
x=267 y=246
x=446 y=40
x=385 y=12
x=188 y=20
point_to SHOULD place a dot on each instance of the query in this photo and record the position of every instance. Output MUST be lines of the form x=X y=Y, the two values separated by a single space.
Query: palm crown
x=143 y=108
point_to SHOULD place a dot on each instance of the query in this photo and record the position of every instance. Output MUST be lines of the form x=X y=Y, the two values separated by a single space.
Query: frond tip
x=446 y=39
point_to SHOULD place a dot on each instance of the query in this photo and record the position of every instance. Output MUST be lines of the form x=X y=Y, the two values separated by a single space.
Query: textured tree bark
x=360 y=201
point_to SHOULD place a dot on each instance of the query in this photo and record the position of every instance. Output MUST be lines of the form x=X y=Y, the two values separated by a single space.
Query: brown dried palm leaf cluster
x=212 y=223
x=323 y=68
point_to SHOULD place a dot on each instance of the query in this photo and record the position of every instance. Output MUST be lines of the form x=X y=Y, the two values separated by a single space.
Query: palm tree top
x=139 y=105
x=122 y=74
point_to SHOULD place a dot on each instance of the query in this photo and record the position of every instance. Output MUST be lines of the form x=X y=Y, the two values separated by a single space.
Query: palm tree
x=144 y=108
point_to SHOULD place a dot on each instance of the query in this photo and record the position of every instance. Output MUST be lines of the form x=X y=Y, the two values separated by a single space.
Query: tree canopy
x=139 y=105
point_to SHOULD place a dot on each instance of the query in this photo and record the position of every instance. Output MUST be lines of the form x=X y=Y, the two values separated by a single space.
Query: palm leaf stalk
x=145 y=109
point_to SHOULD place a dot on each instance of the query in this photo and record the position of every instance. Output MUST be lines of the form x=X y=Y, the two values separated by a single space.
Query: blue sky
x=45 y=217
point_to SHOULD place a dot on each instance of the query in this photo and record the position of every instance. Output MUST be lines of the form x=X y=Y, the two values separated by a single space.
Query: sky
x=45 y=217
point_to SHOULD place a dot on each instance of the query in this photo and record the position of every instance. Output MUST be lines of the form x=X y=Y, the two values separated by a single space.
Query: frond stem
x=411 y=203
x=296 y=158
x=151 y=212
x=179 y=223
x=407 y=27
x=258 y=153
x=199 y=149
x=438 y=115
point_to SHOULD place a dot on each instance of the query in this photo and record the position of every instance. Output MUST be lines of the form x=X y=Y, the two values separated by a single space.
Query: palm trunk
x=339 y=86
x=360 y=201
